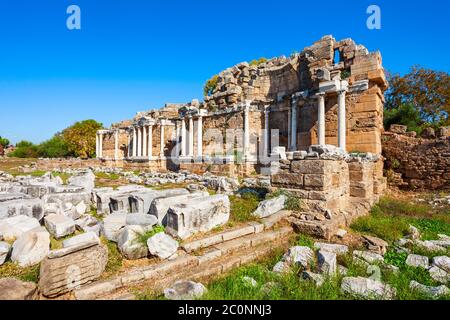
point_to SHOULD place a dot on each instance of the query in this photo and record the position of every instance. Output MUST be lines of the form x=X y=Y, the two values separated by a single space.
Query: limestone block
x=87 y=237
x=59 y=226
x=338 y=249
x=14 y=289
x=442 y=262
x=112 y=225
x=432 y=292
x=142 y=201
x=185 y=290
x=33 y=208
x=31 y=247
x=327 y=262
x=200 y=215
x=86 y=180
x=13 y=228
x=140 y=219
x=367 y=288
x=269 y=207
x=299 y=255
x=128 y=242
x=162 y=245
x=67 y=270
x=5 y=249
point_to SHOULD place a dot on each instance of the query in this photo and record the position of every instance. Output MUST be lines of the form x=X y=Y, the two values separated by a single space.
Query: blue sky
x=136 y=55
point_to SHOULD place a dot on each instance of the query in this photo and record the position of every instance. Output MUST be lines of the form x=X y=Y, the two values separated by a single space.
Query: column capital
x=320 y=95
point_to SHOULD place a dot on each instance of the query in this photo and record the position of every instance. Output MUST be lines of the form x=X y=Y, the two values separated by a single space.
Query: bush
x=56 y=147
x=406 y=115
x=25 y=149
x=210 y=85
x=258 y=61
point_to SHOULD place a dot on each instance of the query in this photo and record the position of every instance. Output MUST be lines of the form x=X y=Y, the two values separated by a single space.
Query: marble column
x=144 y=141
x=116 y=145
x=178 y=140
x=100 y=148
x=266 y=131
x=183 y=138
x=246 y=131
x=139 y=142
x=191 y=137
x=321 y=119
x=162 y=142
x=200 y=137
x=342 y=128
x=97 y=145
x=289 y=126
x=294 y=126
x=150 y=142
x=134 y=142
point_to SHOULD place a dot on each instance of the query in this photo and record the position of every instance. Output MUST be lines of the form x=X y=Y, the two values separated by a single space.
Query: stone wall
x=417 y=163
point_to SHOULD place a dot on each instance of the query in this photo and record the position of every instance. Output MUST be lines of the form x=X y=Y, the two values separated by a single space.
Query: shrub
x=210 y=85
x=257 y=62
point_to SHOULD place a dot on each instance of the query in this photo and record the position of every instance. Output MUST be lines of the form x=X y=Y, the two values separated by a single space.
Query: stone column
x=134 y=142
x=162 y=142
x=294 y=125
x=289 y=126
x=100 y=147
x=246 y=131
x=266 y=131
x=178 y=141
x=150 y=142
x=97 y=145
x=200 y=137
x=183 y=138
x=116 y=145
x=144 y=141
x=321 y=119
x=342 y=128
x=128 y=144
x=191 y=137
x=139 y=142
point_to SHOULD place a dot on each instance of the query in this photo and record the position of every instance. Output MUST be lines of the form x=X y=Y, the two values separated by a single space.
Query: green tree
x=81 y=138
x=428 y=91
x=56 y=147
x=4 y=142
x=25 y=149
x=210 y=85
x=405 y=114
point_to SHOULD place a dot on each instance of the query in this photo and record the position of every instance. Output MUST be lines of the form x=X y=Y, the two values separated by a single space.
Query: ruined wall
x=419 y=163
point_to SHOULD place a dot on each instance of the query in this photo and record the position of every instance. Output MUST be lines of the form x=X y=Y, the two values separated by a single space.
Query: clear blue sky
x=134 y=55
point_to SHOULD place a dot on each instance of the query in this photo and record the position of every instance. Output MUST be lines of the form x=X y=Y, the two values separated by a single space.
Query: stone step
x=228 y=255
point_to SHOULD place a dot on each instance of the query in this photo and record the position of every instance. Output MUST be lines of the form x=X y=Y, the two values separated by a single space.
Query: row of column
x=186 y=145
x=342 y=127
x=140 y=145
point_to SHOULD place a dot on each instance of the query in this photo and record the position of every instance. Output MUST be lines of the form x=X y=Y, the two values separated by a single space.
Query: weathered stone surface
x=160 y=206
x=367 y=288
x=14 y=227
x=162 y=245
x=33 y=208
x=282 y=267
x=269 y=207
x=429 y=246
x=185 y=290
x=442 y=262
x=71 y=269
x=415 y=260
x=14 y=289
x=327 y=262
x=439 y=275
x=59 y=226
x=5 y=249
x=200 y=215
x=80 y=239
x=368 y=256
x=85 y=180
x=128 y=242
x=318 y=279
x=140 y=219
x=431 y=292
x=249 y=282
x=31 y=247
x=301 y=256
x=88 y=223
x=338 y=249
x=142 y=200
x=112 y=225
x=375 y=244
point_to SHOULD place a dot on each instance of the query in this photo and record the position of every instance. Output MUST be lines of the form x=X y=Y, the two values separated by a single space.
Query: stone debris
x=442 y=262
x=59 y=226
x=417 y=261
x=68 y=269
x=431 y=292
x=367 y=288
x=162 y=245
x=375 y=244
x=13 y=228
x=439 y=275
x=429 y=246
x=198 y=215
x=28 y=207
x=282 y=267
x=128 y=242
x=140 y=219
x=85 y=180
x=112 y=225
x=14 y=289
x=269 y=207
x=31 y=247
x=298 y=255
x=83 y=238
x=249 y=282
x=369 y=257
x=5 y=249
x=338 y=249
x=327 y=262
x=318 y=279
x=414 y=233
x=185 y=290
x=88 y=223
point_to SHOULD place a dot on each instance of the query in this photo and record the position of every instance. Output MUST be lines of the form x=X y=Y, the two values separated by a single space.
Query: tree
x=210 y=85
x=406 y=115
x=25 y=149
x=56 y=147
x=4 y=142
x=428 y=91
x=81 y=138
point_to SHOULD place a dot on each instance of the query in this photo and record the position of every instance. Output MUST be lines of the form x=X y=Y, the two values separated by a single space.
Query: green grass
x=304 y=240
x=10 y=269
x=390 y=220
x=115 y=260
x=242 y=207
x=293 y=203
x=64 y=176
x=109 y=176
x=142 y=238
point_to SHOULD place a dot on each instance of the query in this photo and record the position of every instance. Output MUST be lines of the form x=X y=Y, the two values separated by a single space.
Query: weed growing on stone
x=142 y=238
x=11 y=269
x=242 y=207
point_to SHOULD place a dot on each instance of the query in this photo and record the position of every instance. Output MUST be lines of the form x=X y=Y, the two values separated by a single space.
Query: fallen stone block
x=112 y=225
x=83 y=238
x=86 y=180
x=316 y=278
x=5 y=249
x=439 y=275
x=327 y=262
x=88 y=223
x=31 y=247
x=368 y=256
x=68 y=269
x=128 y=242
x=269 y=207
x=141 y=202
x=162 y=245
x=199 y=215
x=13 y=228
x=33 y=208
x=14 y=289
x=415 y=260
x=367 y=288
x=431 y=292
x=298 y=255
x=185 y=290
x=59 y=226
x=442 y=262
x=338 y=249
x=376 y=245
x=140 y=219
x=160 y=206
